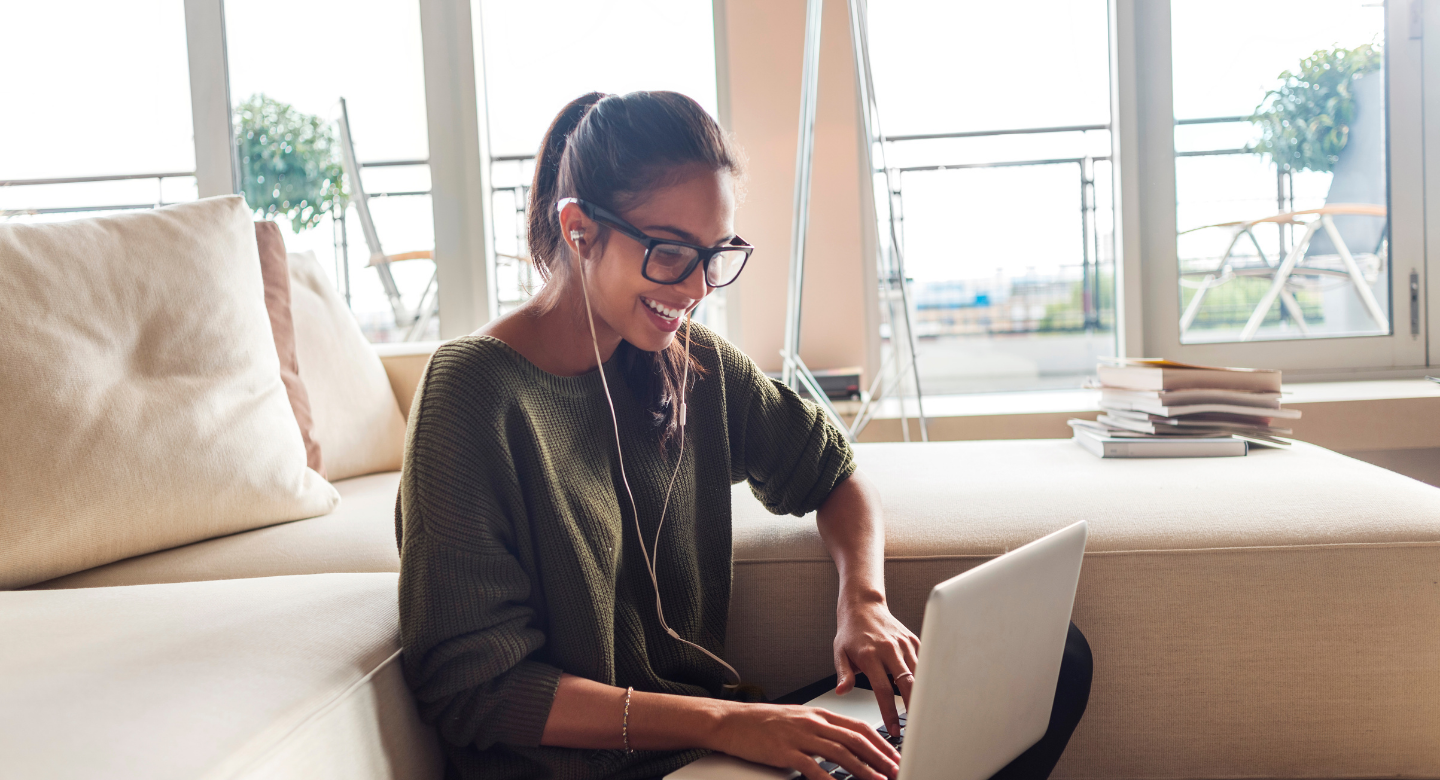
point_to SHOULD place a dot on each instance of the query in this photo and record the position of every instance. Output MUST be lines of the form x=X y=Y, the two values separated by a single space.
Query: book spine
x=1160 y=448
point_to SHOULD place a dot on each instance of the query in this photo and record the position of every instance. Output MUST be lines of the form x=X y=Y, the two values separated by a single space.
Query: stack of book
x=1159 y=408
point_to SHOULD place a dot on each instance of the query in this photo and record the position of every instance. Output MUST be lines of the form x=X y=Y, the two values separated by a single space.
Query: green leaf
x=1305 y=122
x=290 y=163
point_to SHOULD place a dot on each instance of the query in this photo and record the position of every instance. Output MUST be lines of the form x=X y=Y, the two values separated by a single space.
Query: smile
x=661 y=309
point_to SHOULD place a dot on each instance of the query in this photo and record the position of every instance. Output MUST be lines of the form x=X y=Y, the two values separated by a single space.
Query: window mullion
x=216 y=168
x=459 y=174
x=1430 y=84
x=1125 y=118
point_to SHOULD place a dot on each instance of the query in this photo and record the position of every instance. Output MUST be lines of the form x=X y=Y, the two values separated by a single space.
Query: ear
x=577 y=230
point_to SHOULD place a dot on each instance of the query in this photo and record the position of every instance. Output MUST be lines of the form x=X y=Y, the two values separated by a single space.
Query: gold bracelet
x=625 y=722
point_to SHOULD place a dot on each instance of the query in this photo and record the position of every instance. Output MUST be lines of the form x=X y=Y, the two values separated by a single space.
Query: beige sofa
x=1268 y=616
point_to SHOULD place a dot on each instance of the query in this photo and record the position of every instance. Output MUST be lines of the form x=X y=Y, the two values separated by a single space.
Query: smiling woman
x=555 y=453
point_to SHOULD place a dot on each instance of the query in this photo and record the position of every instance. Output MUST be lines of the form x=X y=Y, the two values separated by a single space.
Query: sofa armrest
x=405 y=364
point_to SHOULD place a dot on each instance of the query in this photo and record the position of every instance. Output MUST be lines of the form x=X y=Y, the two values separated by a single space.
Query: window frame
x=1142 y=63
x=1147 y=302
x=459 y=188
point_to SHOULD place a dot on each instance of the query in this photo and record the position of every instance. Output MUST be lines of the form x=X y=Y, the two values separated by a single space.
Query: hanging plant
x=1305 y=121
x=289 y=162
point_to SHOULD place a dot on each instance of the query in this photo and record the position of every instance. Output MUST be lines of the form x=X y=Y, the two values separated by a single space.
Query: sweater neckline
x=587 y=383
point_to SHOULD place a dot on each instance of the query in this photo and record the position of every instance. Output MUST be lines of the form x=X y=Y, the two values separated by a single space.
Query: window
x=1268 y=258
x=1040 y=233
x=299 y=58
x=540 y=56
x=998 y=120
x=92 y=143
x=1280 y=169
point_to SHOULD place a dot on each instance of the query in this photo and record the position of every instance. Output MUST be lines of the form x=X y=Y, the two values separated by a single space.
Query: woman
x=565 y=532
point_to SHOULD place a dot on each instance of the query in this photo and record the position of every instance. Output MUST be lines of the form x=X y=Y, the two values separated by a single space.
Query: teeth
x=663 y=311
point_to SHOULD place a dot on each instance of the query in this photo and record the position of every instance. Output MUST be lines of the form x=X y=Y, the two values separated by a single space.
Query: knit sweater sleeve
x=467 y=624
x=792 y=455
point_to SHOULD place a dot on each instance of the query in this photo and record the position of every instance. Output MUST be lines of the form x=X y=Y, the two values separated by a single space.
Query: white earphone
x=650 y=560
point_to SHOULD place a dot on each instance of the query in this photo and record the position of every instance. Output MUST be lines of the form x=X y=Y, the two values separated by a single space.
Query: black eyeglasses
x=672 y=262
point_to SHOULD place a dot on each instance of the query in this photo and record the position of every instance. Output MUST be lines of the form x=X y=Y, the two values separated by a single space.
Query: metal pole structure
x=345 y=254
x=888 y=234
x=804 y=156
x=796 y=374
x=1086 y=305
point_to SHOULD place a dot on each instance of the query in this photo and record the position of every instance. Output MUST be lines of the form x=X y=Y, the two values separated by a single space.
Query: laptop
x=989 y=661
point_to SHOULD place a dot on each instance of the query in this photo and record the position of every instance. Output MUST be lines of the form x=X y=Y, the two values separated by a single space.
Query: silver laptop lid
x=989 y=660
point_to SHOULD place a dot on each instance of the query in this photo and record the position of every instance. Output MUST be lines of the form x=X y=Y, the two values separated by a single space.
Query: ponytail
x=613 y=150
x=542 y=225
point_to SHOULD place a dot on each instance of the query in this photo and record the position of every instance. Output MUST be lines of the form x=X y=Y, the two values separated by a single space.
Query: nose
x=694 y=286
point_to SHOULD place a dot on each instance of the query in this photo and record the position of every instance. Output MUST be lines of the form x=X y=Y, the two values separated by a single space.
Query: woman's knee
x=1077 y=654
x=1076 y=671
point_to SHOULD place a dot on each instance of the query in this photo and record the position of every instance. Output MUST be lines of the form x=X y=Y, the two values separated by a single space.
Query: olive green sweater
x=519 y=558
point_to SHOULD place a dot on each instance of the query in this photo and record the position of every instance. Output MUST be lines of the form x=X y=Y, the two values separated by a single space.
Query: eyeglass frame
x=703 y=254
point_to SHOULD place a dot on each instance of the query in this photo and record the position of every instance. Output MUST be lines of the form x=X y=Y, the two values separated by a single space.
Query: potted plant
x=289 y=162
x=1305 y=122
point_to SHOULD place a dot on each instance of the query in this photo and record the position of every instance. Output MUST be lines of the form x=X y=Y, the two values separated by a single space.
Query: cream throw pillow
x=142 y=403
x=357 y=419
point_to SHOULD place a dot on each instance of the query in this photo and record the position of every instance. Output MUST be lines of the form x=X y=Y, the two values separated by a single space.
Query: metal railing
x=518 y=194
x=1090 y=237
x=340 y=232
x=516 y=262
x=159 y=192
x=1284 y=175
x=395 y=164
x=1092 y=251
x=159 y=195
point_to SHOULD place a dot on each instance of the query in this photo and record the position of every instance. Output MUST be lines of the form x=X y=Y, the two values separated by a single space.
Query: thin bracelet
x=625 y=723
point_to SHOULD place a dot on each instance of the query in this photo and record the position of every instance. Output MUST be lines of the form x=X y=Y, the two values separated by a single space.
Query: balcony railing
x=159 y=192
x=976 y=310
x=1029 y=305
x=159 y=181
x=517 y=278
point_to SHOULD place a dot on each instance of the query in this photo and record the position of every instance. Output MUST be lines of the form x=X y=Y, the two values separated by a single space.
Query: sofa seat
x=275 y=677
x=359 y=536
x=1276 y=615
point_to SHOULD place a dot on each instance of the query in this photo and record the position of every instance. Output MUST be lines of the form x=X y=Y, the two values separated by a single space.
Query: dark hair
x=614 y=150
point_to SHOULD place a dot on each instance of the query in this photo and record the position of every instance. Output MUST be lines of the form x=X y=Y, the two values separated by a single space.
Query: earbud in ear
x=576 y=235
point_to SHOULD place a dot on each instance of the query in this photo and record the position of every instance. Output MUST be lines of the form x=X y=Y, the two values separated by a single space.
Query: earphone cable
x=634 y=508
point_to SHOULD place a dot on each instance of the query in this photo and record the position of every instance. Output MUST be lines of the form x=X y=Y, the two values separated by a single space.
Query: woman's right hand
x=790 y=736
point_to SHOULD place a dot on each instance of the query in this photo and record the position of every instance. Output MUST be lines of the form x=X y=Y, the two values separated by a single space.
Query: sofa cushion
x=275 y=271
x=1268 y=616
x=276 y=677
x=359 y=536
x=1275 y=615
x=143 y=402
x=357 y=419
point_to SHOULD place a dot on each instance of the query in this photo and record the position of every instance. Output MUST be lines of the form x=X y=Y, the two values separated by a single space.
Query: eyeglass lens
x=724 y=267
x=669 y=261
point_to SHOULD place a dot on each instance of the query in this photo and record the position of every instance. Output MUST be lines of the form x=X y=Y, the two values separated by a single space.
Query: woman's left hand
x=869 y=639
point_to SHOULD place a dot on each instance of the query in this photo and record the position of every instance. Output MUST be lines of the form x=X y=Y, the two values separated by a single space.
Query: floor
x=1421 y=463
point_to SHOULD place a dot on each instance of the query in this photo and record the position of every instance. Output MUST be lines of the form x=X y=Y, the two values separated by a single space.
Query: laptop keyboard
x=838 y=772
